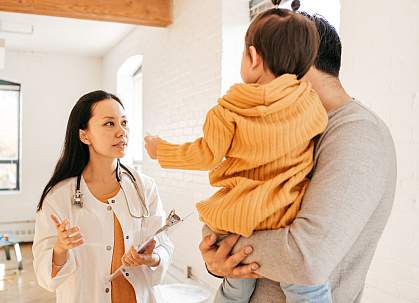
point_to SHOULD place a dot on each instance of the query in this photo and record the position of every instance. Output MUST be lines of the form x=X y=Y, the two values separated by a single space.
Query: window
x=130 y=90
x=137 y=107
x=9 y=136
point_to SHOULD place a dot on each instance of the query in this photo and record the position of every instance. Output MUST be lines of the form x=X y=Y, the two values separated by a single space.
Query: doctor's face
x=107 y=130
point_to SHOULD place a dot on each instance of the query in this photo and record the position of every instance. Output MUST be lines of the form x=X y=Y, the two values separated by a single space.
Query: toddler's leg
x=235 y=291
x=307 y=293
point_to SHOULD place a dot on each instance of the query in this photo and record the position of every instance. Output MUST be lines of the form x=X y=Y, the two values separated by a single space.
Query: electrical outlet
x=189 y=272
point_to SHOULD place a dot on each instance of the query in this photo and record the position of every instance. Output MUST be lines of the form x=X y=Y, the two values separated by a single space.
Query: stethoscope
x=78 y=196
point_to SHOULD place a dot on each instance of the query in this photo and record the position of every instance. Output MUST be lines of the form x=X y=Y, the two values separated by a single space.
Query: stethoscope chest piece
x=77 y=198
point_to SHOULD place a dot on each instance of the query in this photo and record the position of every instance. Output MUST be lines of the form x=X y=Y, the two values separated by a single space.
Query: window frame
x=11 y=86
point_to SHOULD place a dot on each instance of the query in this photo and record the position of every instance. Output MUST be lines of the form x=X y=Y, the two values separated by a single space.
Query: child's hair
x=287 y=41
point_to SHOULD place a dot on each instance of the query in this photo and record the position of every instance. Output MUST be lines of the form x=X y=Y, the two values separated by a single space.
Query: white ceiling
x=62 y=35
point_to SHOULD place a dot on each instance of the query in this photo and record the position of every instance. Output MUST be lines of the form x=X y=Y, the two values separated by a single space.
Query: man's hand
x=219 y=262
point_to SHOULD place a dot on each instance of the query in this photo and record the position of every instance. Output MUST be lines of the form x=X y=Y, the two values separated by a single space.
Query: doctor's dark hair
x=75 y=154
x=286 y=41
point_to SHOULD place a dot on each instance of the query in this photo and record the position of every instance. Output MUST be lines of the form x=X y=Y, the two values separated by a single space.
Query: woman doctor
x=78 y=245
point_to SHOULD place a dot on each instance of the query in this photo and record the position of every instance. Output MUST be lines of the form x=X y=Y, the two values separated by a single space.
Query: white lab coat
x=84 y=276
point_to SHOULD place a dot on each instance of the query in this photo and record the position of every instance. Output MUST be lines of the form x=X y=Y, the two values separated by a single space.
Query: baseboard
x=178 y=275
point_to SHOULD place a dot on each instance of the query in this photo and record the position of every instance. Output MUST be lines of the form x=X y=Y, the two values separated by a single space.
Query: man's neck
x=330 y=90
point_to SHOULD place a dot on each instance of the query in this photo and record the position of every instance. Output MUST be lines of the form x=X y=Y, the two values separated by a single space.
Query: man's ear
x=255 y=58
x=83 y=137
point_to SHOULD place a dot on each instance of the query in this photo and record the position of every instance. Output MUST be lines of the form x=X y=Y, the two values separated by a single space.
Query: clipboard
x=171 y=220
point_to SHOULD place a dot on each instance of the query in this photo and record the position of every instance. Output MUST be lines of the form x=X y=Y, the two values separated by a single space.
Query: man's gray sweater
x=343 y=213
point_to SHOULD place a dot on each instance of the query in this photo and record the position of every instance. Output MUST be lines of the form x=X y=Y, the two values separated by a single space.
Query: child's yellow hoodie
x=258 y=146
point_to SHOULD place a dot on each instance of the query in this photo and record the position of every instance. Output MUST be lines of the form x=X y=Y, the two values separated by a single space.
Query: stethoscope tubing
x=77 y=198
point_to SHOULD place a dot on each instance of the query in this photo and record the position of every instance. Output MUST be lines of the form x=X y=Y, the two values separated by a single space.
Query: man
x=344 y=210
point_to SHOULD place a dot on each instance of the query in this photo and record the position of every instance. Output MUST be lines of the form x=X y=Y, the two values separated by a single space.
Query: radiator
x=21 y=231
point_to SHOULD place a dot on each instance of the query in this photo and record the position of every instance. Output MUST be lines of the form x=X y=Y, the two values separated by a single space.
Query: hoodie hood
x=255 y=100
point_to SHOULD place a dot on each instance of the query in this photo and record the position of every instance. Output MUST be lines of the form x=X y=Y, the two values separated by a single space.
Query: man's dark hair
x=330 y=50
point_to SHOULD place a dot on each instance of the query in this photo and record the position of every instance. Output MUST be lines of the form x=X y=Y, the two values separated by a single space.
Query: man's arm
x=346 y=187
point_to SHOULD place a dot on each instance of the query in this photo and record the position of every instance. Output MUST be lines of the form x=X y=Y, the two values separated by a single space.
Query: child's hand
x=150 y=144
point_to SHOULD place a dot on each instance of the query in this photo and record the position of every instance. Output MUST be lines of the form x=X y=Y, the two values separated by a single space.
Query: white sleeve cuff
x=68 y=269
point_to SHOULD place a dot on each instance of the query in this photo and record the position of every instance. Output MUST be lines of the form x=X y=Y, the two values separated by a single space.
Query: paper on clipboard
x=171 y=220
x=153 y=225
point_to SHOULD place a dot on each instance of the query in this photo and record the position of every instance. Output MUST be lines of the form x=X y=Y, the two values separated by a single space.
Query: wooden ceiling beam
x=142 y=12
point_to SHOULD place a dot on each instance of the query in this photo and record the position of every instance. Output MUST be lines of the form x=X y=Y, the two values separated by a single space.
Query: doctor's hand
x=150 y=144
x=67 y=237
x=132 y=258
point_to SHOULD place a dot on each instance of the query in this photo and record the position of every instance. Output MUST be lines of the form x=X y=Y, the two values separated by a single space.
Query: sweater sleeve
x=355 y=162
x=206 y=152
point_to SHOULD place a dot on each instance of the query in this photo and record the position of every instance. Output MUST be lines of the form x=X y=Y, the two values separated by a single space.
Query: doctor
x=80 y=242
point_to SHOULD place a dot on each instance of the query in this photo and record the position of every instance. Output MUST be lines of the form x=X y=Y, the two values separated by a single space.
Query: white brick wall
x=186 y=86
x=182 y=80
x=381 y=68
x=188 y=65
